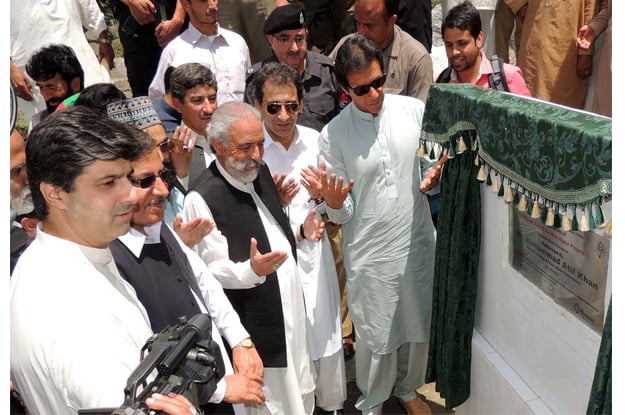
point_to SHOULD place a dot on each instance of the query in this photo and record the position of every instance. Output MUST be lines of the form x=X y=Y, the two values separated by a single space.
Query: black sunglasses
x=274 y=107
x=166 y=175
x=166 y=145
x=364 y=89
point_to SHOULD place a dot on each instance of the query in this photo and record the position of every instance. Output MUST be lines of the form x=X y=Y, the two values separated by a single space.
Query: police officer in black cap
x=285 y=30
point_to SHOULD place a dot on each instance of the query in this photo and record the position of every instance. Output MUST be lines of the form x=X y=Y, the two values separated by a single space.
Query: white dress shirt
x=226 y=54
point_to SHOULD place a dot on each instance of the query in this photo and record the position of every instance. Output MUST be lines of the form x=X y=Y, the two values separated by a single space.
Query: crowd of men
x=261 y=173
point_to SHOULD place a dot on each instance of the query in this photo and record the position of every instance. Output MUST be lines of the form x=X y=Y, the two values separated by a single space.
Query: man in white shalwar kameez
x=388 y=235
x=77 y=327
x=289 y=150
x=237 y=192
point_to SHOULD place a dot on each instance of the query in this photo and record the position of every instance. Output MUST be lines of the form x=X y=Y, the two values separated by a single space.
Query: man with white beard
x=22 y=226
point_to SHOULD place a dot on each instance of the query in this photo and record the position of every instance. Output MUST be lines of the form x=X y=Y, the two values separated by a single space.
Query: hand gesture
x=142 y=10
x=433 y=176
x=22 y=86
x=332 y=189
x=243 y=389
x=585 y=37
x=311 y=180
x=313 y=228
x=192 y=231
x=287 y=189
x=246 y=361
x=172 y=404
x=107 y=54
x=166 y=31
x=265 y=264
x=183 y=150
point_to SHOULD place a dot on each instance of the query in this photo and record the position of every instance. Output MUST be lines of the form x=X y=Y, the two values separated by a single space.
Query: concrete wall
x=530 y=355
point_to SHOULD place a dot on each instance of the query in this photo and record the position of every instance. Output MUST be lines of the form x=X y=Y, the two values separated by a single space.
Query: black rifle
x=182 y=355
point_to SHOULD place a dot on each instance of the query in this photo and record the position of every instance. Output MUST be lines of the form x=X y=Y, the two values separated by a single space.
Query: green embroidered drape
x=600 y=402
x=554 y=161
x=455 y=279
x=551 y=161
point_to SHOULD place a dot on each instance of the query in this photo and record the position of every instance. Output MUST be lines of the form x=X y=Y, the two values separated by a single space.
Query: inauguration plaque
x=570 y=267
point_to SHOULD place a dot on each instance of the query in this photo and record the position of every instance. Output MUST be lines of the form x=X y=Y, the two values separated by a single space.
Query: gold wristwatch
x=247 y=343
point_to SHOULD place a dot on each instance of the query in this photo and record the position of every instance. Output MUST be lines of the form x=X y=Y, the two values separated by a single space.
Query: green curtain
x=455 y=278
x=601 y=392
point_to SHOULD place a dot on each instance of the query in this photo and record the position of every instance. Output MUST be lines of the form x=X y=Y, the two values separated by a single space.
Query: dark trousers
x=141 y=56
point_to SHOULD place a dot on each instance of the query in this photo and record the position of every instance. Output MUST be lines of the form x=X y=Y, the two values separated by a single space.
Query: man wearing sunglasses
x=140 y=113
x=252 y=252
x=290 y=149
x=388 y=235
x=77 y=327
x=172 y=281
x=285 y=30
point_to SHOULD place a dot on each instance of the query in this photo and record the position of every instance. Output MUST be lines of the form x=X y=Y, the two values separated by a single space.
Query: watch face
x=247 y=343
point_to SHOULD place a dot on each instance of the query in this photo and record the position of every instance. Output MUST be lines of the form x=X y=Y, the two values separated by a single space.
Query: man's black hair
x=279 y=74
x=63 y=144
x=52 y=59
x=188 y=76
x=98 y=96
x=167 y=78
x=356 y=55
x=463 y=17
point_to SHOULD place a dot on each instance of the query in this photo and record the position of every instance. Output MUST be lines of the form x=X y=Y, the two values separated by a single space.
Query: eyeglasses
x=166 y=145
x=364 y=89
x=288 y=41
x=274 y=107
x=166 y=175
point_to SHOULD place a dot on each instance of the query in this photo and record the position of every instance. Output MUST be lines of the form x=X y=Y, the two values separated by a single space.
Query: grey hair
x=225 y=116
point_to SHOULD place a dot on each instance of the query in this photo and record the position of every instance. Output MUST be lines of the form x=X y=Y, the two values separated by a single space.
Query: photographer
x=76 y=326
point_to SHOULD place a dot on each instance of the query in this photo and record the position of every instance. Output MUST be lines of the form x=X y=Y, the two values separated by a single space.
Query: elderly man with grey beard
x=252 y=253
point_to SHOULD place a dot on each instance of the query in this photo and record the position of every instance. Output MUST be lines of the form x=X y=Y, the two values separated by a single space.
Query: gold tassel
x=477 y=160
x=522 y=203
x=474 y=146
x=550 y=217
x=536 y=210
x=462 y=147
x=508 y=197
x=481 y=175
x=495 y=187
x=421 y=152
x=584 y=226
x=566 y=222
x=608 y=226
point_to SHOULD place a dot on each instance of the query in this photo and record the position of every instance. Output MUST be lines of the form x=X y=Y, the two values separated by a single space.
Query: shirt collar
x=134 y=240
x=270 y=141
x=392 y=50
x=195 y=35
x=99 y=256
x=485 y=68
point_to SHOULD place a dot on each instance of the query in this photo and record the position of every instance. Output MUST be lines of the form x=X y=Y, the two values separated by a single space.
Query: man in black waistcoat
x=171 y=281
x=252 y=253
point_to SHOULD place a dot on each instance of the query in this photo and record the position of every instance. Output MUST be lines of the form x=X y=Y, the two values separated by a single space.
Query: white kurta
x=77 y=327
x=36 y=23
x=284 y=388
x=388 y=236
x=225 y=320
x=315 y=262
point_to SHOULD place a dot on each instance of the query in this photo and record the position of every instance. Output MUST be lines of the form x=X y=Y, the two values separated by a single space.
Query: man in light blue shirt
x=388 y=235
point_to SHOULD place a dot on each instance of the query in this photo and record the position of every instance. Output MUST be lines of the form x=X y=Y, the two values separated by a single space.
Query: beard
x=22 y=203
x=237 y=169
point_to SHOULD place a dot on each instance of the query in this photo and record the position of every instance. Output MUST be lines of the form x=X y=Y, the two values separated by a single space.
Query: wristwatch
x=247 y=343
